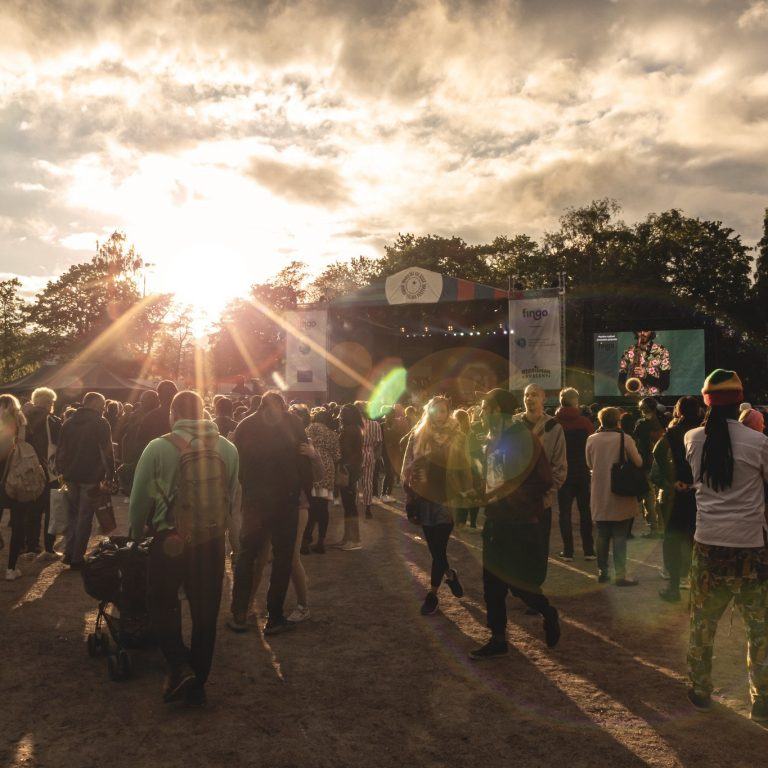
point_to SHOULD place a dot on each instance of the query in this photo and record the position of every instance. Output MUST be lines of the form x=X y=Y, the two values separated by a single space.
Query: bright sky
x=229 y=138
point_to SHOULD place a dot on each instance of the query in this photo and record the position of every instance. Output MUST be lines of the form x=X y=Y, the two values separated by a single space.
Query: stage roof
x=73 y=377
x=428 y=288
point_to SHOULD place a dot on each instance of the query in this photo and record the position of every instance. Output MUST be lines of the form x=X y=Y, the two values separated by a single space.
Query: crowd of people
x=253 y=477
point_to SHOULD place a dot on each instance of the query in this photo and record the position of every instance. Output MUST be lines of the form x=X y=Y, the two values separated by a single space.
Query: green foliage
x=13 y=337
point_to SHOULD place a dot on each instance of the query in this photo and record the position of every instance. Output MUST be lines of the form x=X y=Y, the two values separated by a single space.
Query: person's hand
x=306 y=449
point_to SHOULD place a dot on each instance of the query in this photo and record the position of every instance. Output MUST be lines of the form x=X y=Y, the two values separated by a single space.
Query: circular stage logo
x=413 y=285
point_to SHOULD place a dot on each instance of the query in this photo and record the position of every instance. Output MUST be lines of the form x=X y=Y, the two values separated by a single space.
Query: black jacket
x=272 y=471
x=155 y=424
x=84 y=453
x=37 y=433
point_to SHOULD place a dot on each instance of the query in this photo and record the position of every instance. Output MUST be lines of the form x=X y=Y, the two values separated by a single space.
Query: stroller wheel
x=124 y=666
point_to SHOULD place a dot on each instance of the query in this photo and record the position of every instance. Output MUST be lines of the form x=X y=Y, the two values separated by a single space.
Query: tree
x=13 y=336
x=761 y=276
x=175 y=352
x=342 y=277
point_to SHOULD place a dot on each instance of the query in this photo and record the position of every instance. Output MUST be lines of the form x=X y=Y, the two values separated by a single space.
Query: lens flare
x=390 y=388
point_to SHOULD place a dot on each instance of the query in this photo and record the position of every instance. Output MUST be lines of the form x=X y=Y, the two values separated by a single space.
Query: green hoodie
x=155 y=477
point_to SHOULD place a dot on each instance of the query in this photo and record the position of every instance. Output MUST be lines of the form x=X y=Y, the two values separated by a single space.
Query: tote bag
x=626 y=479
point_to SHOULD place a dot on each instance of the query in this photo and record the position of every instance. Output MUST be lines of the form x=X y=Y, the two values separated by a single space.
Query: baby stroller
x=115 y=574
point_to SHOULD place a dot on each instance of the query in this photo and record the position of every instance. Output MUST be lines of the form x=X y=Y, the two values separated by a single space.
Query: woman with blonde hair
x=13 y=425
x=437 y=478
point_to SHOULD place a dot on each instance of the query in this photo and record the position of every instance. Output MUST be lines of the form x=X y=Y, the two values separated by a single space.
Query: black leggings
x=437 y=540
x=22 y=525
x=318 y=513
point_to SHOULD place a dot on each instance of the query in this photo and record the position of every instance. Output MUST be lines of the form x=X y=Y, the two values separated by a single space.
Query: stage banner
x=534 y=343
x=305 y=362
x=414 y=286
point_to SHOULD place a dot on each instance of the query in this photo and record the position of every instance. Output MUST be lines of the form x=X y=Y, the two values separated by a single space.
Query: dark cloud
x=303 y=184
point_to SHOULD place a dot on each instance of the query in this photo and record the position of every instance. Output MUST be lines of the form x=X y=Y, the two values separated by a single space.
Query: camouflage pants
x=718 y=576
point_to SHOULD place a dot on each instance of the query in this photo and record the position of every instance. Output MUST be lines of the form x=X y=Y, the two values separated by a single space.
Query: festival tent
x=71 y=380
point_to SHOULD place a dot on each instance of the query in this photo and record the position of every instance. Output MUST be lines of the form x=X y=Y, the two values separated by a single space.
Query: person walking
x=576 y=429
x=372 y=440
x=648 y=431
x=729 y=463
x=517 y=479
x=43 y=429
x=86 y=462
x=672 y=475
x=350 y=467
x=326 y=442
x=437 y=477
x=612 y=514
x=550 y=434
x=273 y=472
x=185 y=486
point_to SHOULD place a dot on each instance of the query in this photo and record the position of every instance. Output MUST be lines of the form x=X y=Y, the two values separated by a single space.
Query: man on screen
x=645 y=368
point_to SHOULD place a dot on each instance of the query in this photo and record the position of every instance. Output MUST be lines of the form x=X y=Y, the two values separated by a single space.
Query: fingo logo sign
x=308 y=324
x=535 y=314
x=413 y=285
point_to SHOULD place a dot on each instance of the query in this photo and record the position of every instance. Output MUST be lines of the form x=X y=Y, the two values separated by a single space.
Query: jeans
x=21 y=522
x=318 y=515
x=41 y=508
x=616 y=530
x=200 y=570
x=437 y=537
x=578 y=490
x=81 y=508
x=471 y=512
x=262 y=523
x=545 y=531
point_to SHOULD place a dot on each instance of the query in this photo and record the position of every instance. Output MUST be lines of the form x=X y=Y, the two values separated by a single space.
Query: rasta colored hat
x=722 y=388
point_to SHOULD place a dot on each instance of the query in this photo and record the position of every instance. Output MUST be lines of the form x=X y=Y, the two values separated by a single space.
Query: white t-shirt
x=734 y=517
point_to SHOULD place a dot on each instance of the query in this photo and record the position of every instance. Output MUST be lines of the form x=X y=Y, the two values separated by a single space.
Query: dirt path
x=369 y=682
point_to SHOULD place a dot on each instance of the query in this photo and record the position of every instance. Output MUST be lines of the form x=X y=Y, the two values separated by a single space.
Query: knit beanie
x=722 y=388
x=752 y=419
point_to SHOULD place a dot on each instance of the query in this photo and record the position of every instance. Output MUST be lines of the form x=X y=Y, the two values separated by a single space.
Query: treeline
x=668 y=266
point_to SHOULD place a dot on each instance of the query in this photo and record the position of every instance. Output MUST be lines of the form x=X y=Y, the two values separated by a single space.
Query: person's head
x=112 y=410
x=398 y=410
x=127 y=409
x=301 y=410
x=362 y=406
x=223 y=408
x=10 y=411
x=498 y=407
x=687 y=411
x=569 y=397
x=627 y=422
x=723 y=393
x=645 y=337
x=533 y=399
x=187 y=406
x=322 y=416
x=350 y=417
x=240 y=413
x=148 y=401
x=608 y=418
x=649 y=407
x=44 y=398
x=412 y=415
x=752 y=419
x=461 y=417
x=255 y=403
x=166 y=391
x=95 y=401
x=272 y=406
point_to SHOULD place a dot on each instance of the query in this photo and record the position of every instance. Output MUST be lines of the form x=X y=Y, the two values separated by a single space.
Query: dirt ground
x=368 y=681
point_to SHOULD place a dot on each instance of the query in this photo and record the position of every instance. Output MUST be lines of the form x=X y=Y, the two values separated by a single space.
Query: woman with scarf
x=437 y=477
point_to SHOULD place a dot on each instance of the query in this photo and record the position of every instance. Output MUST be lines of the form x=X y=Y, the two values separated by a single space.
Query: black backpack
x=626 y=479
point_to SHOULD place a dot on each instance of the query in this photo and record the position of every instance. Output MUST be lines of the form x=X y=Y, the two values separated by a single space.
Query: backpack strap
x=178 y=442
x=622 y=455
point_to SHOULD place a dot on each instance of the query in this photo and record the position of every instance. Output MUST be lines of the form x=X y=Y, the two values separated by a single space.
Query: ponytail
x=717 y=455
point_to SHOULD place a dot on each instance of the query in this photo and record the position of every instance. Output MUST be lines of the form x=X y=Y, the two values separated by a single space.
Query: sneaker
x=670 y=595
x=491 y=650
x=351 y=546
x=454 y=584
x=626 y=582
x=664 y=573
x=28 y=556
x=430 y=604
x=47 y=557
x=237 y=623
x=603 y=578
x=195 y=696
x=760 y=710
x=12 y=574
x=590 y=557
x=319 y=548
x=177 y=684
x=300 y=613
x=702 y=701
x=685 y=583
x=567 y=558
x=551 y=627
x=339 y=544
x=276 y=626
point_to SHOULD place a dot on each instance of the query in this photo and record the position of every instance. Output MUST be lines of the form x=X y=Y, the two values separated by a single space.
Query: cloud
x=304 y=184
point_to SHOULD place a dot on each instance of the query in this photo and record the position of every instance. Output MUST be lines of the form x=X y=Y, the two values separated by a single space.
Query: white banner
x=305 y=361
x=534 y=346
x=414 y=286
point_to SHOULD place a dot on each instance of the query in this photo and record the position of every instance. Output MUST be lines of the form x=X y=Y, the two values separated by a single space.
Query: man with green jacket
x=186 y=484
